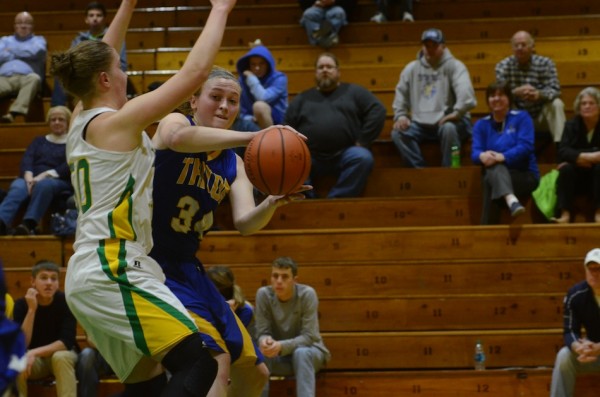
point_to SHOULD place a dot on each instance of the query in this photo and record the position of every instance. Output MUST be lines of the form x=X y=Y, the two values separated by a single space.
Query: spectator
x=323 y=19
x=95 y=19
x=49 y=329
x=196 y=168
x=264 y=88
x=341 y=121
x=580 y=353
x=579 y=156
x=432 y=102
x=224 y=280
x=22 y=66
x=44 y=176
x=287 y=327
x=406 y=8
x=533 y=80
x=90 y=367
x=503 y=143
x=12 y=344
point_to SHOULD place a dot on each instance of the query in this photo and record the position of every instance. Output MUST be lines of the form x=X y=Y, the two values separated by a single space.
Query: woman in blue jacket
x=503 y=143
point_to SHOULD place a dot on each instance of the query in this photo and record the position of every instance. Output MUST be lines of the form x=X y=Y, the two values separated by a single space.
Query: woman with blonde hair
x=114 y=288
x=194 y=174
x=44 y=176
x=579 y=156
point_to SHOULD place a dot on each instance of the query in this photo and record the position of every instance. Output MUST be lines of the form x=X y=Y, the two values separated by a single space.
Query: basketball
x=277 y=161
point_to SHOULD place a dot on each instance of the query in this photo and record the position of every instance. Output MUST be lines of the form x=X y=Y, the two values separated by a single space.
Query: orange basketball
x=277 y=161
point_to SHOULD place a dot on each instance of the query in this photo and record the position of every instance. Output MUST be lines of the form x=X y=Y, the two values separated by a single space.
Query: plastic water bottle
x=479 y=357
x=455 y=157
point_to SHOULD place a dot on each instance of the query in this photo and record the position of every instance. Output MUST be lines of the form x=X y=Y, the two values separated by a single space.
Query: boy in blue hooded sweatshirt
x=264 y=89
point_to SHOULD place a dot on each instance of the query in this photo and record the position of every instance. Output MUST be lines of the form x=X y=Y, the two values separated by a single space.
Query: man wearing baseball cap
x=432 y=102
x=581 y=309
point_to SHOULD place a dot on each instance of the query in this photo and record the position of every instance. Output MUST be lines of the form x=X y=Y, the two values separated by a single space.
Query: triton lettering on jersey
x=198 y=173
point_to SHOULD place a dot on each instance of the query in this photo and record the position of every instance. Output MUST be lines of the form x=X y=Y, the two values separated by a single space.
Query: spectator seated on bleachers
x=533 y=80
x=503 y=143
x=44 y=176
x=579 y=157
x=22 y=66
x=428 y=107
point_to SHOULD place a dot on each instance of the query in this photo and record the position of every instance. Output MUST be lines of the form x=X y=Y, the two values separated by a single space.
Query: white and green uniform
x=114 y=289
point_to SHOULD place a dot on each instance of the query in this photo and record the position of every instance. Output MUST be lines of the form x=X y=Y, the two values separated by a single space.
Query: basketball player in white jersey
x=115 y=290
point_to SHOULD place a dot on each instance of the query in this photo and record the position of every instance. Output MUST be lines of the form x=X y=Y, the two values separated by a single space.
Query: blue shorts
x=218 y=325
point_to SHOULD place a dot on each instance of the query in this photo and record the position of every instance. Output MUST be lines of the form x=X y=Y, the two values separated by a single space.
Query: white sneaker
x=408 y=17
x=379 y=17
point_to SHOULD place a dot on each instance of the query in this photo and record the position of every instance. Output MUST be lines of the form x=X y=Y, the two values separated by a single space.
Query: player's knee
x=150 y=388
x=201 y=375
x=224 y=363
x=192 y=367
x=263 y=373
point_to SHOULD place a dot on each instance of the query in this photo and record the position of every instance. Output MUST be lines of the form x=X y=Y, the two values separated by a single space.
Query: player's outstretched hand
x=288 y=127
x=296 y=195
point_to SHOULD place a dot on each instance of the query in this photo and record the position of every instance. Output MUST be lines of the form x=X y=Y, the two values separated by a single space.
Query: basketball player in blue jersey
x=195 y=169
x=113 y=287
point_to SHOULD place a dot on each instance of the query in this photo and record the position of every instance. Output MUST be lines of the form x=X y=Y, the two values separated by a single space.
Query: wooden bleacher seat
x=530 y=382
x=389 y=244
x=572 y=48
x=441 y=349
x=369 y=33
x=384 y=212
x=402 y=277
x=24 y=251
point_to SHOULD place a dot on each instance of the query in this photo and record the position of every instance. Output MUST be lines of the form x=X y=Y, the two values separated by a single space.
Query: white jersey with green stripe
x=113 y=190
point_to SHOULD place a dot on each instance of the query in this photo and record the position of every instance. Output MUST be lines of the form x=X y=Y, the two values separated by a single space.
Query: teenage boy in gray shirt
x=287 y=328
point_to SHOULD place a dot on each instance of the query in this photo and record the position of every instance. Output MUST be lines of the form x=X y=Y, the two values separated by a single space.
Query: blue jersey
x=188 y=187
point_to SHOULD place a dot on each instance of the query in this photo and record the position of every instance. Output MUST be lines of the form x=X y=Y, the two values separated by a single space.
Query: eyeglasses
x=593 y=269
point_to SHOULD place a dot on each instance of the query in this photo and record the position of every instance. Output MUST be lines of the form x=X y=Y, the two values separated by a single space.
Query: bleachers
x=406 y=278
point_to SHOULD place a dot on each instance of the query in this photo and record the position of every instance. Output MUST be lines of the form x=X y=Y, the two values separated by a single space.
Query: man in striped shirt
x=534 y=82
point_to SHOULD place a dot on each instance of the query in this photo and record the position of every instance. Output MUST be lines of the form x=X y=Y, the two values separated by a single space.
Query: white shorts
x=117 y=294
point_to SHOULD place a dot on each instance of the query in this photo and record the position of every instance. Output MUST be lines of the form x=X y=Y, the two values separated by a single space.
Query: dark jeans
x=352 y=167
x=573 y=181
x=90 y=367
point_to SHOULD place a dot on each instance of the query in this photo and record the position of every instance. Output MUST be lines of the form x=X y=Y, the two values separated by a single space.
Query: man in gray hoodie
x=432 y=102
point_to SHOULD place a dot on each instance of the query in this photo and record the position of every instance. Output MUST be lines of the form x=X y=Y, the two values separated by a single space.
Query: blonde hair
x=223 y=278
x=217 y=72
x=59 y=109
x=589 y=91
x=78 y=67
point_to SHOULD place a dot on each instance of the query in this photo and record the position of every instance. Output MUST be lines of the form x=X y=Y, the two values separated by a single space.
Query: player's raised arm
x=156 y=104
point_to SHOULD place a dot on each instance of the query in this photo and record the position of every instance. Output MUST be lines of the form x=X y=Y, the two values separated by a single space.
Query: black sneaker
x=324 y=31
x=7 y=118
x=3 y=228
x=23 y=230
x=516 y=209
x=329 y=41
